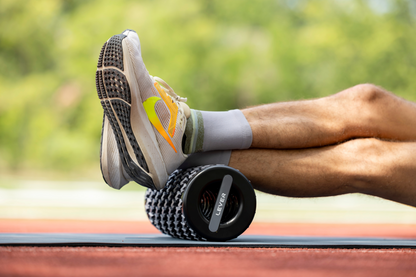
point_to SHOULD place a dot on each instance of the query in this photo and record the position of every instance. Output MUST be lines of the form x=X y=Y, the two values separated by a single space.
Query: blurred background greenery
x=219 y=54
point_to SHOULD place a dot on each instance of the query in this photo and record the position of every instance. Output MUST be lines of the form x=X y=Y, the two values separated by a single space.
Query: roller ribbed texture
x=164 y=207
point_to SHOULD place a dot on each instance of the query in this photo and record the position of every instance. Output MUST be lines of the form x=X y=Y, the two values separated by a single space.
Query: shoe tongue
x=186 y=109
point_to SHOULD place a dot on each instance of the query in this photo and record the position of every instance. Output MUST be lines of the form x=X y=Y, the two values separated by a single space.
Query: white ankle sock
x=226 y=131
x=212 y=131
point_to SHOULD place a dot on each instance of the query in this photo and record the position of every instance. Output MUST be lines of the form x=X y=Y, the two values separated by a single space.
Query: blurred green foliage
x=220 y=54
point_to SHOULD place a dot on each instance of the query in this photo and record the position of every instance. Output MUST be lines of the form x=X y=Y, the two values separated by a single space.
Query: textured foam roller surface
x=114 y=92
x=164 y=207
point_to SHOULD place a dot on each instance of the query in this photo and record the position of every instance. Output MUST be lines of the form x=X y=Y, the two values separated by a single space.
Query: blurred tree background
x=220 y=54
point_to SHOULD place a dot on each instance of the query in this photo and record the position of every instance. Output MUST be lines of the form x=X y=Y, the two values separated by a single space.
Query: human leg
x=370 y=166
x=362 y=111
x=358 y=112
x=150 y=149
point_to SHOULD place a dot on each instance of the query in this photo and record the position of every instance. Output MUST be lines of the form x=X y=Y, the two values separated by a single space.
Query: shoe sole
x=115 y=95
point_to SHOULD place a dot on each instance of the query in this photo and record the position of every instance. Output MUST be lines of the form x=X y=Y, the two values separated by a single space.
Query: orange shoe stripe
x=149 y=107
x=173 y=108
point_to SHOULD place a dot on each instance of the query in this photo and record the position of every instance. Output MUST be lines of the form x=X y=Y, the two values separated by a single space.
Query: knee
x=365 y=94
x=364 y=103
x=365 y=149
x=367 y=163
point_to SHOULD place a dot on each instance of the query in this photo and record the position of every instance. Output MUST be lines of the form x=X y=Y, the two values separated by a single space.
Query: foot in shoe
x=146 y=117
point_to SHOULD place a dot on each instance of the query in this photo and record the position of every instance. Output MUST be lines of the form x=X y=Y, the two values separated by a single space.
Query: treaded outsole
x=100 y=58
x=113 y=54
x=114 y=92
x=116 y=85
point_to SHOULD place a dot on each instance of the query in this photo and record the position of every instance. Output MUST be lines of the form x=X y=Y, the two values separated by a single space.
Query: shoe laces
x=169 y=90
x=176 y=98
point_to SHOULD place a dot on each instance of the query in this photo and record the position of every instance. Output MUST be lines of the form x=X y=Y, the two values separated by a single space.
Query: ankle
x=193 y=138
x=210 y=131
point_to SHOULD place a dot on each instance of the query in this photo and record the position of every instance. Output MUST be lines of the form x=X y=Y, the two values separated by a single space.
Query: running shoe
x=146 y=116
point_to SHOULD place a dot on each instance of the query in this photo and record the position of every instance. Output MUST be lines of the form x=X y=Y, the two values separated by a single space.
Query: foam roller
x=212 y=202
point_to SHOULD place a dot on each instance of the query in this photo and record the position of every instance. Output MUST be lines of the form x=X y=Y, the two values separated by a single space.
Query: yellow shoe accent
x=149 y=107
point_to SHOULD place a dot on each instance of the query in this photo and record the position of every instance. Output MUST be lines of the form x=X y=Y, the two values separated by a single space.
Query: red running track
x=134 y=261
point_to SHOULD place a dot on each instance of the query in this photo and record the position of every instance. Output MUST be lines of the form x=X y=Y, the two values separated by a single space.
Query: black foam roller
x=183 y=208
